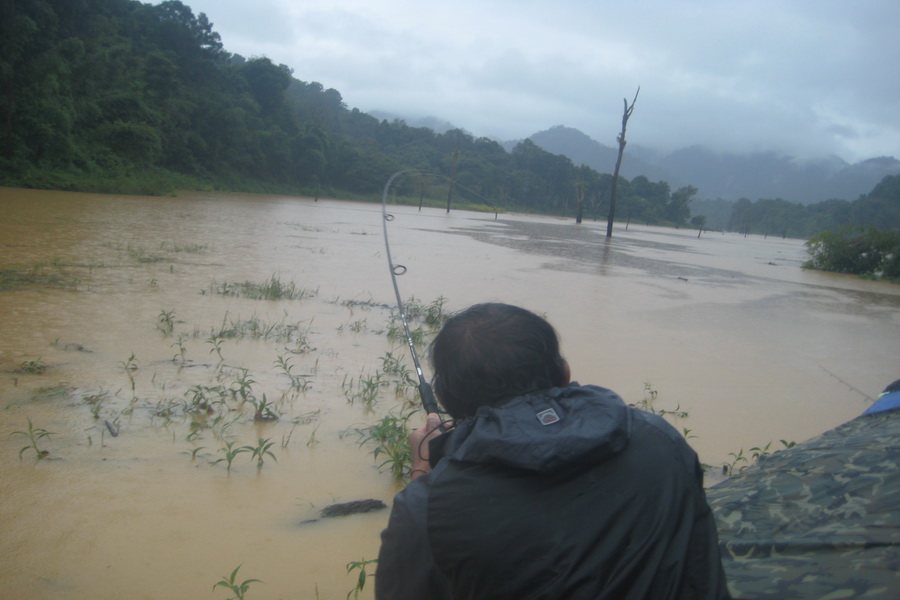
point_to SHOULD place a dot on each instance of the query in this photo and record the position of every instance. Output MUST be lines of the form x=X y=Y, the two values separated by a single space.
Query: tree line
x=118 y=95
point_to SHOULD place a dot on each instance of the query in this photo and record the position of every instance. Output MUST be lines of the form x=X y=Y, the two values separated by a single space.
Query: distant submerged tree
x=621 y=139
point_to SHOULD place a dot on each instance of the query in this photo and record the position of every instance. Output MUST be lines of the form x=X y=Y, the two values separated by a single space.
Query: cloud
x=802 y=78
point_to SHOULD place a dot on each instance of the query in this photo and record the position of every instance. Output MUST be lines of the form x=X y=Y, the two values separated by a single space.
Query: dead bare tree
x=612 y=197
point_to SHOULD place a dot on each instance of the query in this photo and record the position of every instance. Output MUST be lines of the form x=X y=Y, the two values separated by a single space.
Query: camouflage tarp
x=820 y=520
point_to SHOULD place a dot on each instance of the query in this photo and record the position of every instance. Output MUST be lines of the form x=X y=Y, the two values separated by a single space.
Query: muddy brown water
x=727 y=328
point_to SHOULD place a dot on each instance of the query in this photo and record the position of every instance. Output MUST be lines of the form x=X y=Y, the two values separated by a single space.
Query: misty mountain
x=717 y=175
x=724 y=175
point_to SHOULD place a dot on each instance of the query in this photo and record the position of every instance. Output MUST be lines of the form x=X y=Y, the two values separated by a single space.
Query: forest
x=123 y=96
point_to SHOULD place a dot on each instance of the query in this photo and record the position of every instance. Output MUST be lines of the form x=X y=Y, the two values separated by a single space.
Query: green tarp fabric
x=820 y=520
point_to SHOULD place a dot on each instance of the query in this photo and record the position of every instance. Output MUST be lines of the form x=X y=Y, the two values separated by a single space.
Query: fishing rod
x=425 y=392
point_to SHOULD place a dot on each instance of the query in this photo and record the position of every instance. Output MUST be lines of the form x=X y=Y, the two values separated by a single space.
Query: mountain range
x=717 y=175
x=725 y=175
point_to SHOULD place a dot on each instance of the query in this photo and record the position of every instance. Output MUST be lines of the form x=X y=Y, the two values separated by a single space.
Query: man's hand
x=418 y=442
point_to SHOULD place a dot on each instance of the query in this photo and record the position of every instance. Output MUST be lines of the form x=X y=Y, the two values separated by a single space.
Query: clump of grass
x=427 y=319
x=33 y=434
x=52 y=392
x=272 y=289
x=257 y=329
x=186 y=248
x=39 y=274
x=393 y=366
x=141 y=255
x=362 y=389
x=431 y=314
x=34 y=367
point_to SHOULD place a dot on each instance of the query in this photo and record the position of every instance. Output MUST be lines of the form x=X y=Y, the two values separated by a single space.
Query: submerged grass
x=271 y=289
x=41 y=274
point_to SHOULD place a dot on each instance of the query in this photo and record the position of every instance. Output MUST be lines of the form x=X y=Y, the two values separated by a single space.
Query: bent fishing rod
x=425 y=392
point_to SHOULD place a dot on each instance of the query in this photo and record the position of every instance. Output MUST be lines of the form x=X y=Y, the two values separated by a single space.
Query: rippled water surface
x=112 y=313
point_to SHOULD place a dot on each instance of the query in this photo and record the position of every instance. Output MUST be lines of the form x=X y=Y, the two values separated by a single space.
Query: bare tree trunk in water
x=455 y=159
x=579 y=193
x=612 y=198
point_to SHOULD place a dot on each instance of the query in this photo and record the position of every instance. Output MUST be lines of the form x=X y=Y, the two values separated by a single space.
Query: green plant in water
x=200 y=399
x=363 y=389
x=166 y=322
x=263 y=410
x=358 y=326
x=180 y=357
x=312 y=441
x=736 y=459
x=647 y=403
x=216 y=342
x=231 y=453
x=261 y=451
x=221 y=425
x=238 y=589
x=34 y=367
x=359 y=565
x=141 y=255
x=33 y=434
x=431 y=314
x=394 y=366
x=242 y=387
x=757 y=452
x=96 y=402
x=390 y=437
x=129 y=365
x=396 y=332
x=299 y=383
x=272 y=289
x=187 y=248
x=302 y=345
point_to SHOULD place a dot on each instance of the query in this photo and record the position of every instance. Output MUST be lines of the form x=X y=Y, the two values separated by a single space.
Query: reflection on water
x=726 y=328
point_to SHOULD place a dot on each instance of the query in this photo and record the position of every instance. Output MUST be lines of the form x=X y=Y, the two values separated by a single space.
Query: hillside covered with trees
x=119 y=95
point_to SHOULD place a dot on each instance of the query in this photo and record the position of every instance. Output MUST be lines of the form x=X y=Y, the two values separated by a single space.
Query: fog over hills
x=728 y=176
x=724 y=175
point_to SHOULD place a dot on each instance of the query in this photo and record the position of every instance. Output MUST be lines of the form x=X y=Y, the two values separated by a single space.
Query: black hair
x=490 y=353
x=894 y=387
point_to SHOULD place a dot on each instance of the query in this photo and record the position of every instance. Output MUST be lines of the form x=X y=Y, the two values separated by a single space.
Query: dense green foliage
x=118 y=95
x=858 y=250
x=880 y=209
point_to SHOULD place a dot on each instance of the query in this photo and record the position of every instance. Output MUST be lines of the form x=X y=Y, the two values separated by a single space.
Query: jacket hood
x=543 y=431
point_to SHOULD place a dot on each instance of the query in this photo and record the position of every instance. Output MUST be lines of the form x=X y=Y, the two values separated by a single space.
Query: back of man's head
x=490 y=353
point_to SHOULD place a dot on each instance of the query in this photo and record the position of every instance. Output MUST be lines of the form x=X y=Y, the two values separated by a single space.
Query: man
x=543 y=489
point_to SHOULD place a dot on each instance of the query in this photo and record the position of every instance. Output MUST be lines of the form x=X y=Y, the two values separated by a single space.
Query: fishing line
x=425 y=392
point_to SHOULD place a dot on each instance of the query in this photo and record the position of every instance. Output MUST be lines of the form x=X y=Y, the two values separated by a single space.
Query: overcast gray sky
x=808 y=78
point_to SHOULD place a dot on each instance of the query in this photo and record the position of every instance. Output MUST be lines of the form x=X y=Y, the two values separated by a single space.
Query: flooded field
x=132 y=335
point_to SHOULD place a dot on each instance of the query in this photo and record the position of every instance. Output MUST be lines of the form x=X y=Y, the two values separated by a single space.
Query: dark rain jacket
x=564 y=494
